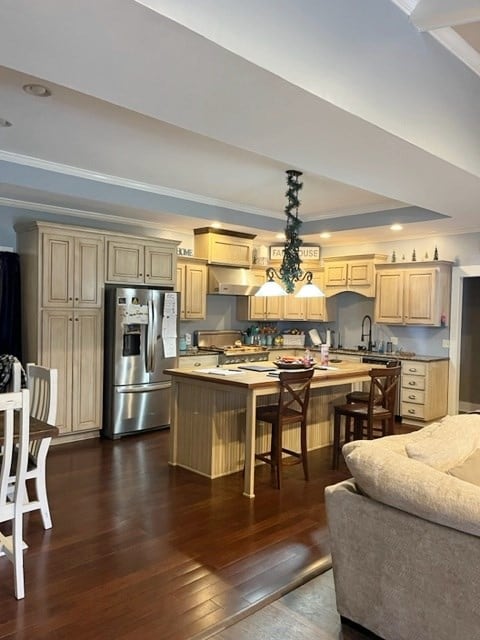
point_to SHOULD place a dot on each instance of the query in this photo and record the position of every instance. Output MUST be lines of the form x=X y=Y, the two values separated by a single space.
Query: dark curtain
x=10 y=316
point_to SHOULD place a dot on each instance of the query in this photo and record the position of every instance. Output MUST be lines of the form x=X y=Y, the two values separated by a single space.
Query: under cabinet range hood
x=231 y=281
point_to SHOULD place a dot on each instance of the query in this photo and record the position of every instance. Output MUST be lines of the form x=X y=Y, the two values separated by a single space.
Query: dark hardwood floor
x=142 y=550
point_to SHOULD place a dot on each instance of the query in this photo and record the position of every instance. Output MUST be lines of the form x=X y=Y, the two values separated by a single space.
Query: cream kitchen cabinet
x=259 y=308
x=219 y=246
x=306 y=308
x=141 y=261
x=71 y=341
x=351 y=273
x=192 y=285
x=72 y=268
x=413 y=294
x=62 y=325
x=424 y=390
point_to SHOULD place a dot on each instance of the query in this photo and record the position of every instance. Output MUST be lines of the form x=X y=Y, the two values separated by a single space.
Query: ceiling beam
x=435 y=14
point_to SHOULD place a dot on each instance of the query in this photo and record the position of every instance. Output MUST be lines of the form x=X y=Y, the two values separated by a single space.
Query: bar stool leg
x=303 y=449
x=336 y=439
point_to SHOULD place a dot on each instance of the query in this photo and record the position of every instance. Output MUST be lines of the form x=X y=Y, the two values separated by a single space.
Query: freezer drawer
x=138 y=408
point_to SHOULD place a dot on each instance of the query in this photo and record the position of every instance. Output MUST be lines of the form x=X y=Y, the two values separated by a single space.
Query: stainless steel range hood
x=231 y=281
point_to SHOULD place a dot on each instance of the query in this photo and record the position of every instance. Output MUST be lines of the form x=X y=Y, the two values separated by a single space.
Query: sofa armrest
x=398 y=575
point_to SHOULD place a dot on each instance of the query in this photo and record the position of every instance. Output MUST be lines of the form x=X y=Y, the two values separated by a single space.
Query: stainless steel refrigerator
x=141 y=329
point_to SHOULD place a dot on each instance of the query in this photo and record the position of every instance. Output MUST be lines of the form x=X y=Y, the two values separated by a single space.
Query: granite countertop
x=357 y=352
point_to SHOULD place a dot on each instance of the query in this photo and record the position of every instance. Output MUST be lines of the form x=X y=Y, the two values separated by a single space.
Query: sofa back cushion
x=387 y=475
x=469 y=469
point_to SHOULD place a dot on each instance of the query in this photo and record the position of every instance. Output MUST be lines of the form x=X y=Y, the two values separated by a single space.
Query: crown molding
x=127 y=183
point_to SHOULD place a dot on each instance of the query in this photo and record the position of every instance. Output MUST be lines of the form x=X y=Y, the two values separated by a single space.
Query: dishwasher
x=388 y=361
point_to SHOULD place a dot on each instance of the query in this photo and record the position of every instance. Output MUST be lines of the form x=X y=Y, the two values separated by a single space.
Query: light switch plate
x=446 y=344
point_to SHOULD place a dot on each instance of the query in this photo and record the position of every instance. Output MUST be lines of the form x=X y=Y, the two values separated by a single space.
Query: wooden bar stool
x=291 y=408
x=380 y=408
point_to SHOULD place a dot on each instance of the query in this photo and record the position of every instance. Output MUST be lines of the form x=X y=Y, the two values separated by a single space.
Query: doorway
x=464 y=391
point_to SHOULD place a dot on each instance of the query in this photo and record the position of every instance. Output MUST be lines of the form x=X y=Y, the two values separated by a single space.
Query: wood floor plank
x=141 y=549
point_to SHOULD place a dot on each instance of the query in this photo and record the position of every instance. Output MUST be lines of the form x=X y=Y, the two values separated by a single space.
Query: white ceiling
x=178 y=113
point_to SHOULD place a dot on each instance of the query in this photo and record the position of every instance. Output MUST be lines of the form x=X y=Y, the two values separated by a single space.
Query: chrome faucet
x=369 y=334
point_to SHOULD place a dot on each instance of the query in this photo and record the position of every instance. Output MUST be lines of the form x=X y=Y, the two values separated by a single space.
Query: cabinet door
x=180 y=287
x=56 y=353
x=257 y=306
x=294 y=308
x=57 y=270
x=315 y=308
x=87 y=368
x=360 y=274
x=336 y=275
x=195 y=291
x=420 y=295
x=88 y=272
x=389 y=299
x=160 y=265
x=274 y=308
x=125 y=261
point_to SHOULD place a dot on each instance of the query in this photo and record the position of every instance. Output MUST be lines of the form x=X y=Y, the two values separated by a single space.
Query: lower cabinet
x=197 y=361
x=424 y=390
x=71 y=341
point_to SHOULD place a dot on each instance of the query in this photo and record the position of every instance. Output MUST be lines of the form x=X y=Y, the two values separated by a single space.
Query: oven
x=387 y=361
x=229 y=346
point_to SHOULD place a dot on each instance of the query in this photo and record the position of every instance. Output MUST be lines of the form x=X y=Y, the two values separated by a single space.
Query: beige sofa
x=405 y=533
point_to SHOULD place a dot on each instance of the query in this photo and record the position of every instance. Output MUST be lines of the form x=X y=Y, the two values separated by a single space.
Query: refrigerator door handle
x=150 y=328
x=141 y=388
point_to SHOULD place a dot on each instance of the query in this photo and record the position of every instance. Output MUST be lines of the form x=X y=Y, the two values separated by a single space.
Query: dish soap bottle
x=307 y=359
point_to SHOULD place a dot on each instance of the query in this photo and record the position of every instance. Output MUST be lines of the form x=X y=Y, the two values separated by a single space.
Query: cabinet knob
x=412 y=396
x=140 y=274
x=412 y=369
x=412 y=383
x=147 y=275
x=70 y=299
x=70 y=319
x=76 y=319
x=76 y=299
x=411 y=411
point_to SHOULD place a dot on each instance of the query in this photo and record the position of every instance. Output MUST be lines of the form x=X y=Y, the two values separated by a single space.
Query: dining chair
x=291 y=408
x=43 y=386
x=11 y=508
x=380 y=408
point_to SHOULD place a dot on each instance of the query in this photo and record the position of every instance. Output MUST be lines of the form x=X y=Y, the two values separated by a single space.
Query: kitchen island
x=213 y=429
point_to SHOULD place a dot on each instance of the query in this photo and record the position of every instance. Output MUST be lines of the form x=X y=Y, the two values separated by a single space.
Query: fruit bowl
x=295 y=364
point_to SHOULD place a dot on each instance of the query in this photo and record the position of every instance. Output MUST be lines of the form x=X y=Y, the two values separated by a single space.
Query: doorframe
x=458 y=274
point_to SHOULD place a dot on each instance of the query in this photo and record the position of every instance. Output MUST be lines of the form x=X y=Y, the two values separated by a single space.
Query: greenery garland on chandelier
x=290 y=271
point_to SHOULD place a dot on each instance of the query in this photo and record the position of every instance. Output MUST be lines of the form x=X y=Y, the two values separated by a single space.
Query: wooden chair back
x=12 y=509
x=294 y=394
x=383 y=389
x=43 y=386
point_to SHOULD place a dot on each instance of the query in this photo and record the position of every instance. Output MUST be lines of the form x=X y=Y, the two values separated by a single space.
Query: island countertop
x=213 y=428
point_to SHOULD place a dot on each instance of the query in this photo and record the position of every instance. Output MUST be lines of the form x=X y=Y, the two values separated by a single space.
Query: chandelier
x=290 y=271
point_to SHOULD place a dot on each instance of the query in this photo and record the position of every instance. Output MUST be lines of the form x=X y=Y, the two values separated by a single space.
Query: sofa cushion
x=451 y=440
x=388 y=476
x=469 y=469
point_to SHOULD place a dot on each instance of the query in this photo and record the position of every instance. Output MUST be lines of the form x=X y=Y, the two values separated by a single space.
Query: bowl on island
x=293 y=363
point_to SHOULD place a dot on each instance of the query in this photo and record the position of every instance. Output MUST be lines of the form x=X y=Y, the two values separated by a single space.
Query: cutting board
x=258 y=367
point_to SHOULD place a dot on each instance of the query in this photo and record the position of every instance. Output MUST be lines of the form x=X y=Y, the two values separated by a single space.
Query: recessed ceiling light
x=5 y=123
x=37 y=90
x=280 y=236
x=396 y=227
x=325 y=235
x=216 y=225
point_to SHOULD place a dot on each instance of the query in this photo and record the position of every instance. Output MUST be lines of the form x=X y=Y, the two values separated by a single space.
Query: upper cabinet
x=282 y=307
x=352 y=273
x=219 y=246
x=417 y=293
x=72 y=274
x=259 y=308
x=141 y=262
x=192 y=285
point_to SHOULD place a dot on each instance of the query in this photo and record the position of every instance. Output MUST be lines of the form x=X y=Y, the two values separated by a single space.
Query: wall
x=463 y=249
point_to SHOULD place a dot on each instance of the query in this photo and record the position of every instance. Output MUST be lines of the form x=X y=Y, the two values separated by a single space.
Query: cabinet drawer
x=193 y=362
x=413 y=382
x=413 y=395
x=413 y=410
x=414 y=368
